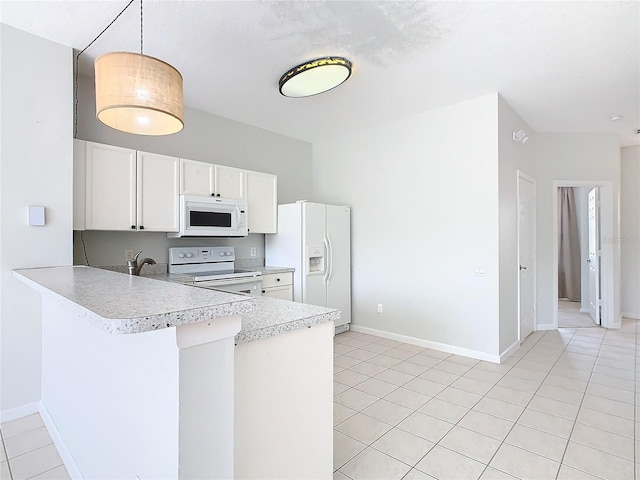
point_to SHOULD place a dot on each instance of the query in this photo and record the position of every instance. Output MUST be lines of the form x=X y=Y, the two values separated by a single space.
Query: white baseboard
x=633 y=316
x=442 y=347
x=584 y=310
x=509 y=351
x=19 y=412
x=67 y=459
x=546 y=326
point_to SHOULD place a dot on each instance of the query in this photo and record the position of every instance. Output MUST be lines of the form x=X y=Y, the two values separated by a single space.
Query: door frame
x=610 y=250
x=524 y=176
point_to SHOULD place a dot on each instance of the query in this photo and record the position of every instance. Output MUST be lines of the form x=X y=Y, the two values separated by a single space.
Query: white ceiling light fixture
x=616 y=117
x=315 y=76
x=520 y=137
x=136 y=93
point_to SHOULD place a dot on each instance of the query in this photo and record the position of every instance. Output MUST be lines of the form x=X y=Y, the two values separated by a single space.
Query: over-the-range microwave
x=211 y=217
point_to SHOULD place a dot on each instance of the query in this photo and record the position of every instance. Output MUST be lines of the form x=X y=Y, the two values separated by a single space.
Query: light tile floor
x=570 y=316
x=564 y=406
x=28 y=451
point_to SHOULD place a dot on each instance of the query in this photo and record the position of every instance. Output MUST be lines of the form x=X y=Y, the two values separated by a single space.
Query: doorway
x=584 y=264
x=578 y=256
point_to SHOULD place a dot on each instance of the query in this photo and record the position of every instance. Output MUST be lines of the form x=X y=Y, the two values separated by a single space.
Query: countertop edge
x=274 y=330
x=144 y=323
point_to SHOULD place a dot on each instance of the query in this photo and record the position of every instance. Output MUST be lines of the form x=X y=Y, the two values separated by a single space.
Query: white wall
x=571 y=157
x=512 y=157
x=424 y=197
x=207 y=138
x=35 y=169
x=630 y=231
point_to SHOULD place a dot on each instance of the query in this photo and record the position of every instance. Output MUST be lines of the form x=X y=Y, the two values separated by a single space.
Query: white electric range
x=212 y=267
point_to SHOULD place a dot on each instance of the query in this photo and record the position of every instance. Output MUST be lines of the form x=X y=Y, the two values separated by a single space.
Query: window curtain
x=568 y=246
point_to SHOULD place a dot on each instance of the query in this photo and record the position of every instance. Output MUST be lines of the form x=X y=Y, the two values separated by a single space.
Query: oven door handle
x=222 y=283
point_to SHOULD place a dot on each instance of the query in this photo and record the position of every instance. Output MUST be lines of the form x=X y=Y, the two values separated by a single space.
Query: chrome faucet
x=135 y=267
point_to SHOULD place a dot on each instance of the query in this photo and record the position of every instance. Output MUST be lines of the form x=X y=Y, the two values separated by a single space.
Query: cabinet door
x=158 y=188
x=283 y=293
x=196 y=178
x=229 y=182
x=110 y=187
x=262 y=202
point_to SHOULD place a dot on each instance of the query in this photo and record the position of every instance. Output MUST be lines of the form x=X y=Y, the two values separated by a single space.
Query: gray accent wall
x=206 y=138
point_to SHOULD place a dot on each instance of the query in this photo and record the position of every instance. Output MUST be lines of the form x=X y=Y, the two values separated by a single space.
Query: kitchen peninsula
x=143 y=379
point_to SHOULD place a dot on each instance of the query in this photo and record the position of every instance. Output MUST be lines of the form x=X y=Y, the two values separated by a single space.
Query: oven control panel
x=184 y=255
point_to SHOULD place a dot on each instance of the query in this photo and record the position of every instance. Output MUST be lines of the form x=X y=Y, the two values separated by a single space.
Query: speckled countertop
x=119 y=303
x=273 y=316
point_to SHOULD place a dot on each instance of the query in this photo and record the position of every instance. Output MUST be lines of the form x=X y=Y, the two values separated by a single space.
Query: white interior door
x=594 y=256
x=526 y=255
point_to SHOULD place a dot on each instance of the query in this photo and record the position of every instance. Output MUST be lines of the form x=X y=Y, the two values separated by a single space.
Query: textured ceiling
x=564 y=66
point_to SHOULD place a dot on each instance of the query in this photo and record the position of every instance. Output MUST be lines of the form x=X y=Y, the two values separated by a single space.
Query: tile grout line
x=432 y=397
x=578 y=413
x=524 y=408
x=573 y=337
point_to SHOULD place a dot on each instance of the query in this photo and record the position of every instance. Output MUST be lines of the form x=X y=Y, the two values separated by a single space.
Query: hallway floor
x=570 y=316
x=562 y=407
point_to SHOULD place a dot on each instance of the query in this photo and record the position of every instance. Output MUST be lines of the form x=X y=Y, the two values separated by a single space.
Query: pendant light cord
x=140 y=27
x=75 y=127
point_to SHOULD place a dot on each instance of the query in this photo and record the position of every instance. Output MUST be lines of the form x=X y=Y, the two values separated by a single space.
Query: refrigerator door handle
x=330 y=262
x=326 y=260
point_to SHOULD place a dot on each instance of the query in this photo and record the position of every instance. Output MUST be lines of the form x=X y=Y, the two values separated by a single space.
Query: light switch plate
x=36 y=216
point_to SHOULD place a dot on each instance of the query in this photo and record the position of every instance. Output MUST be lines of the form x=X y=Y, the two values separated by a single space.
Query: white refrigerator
x=315 y=239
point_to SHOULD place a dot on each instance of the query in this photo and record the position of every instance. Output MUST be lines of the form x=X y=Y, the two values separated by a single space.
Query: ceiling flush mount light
x=520 y=137
x=315 y=76
x=138 y=94
x=616 y=117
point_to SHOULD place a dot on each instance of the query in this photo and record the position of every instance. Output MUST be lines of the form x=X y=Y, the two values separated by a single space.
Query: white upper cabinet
x=158 y=183
x=125 y=189
x=203 y=178
x=118 y=188
x=197 y=178
x=262 y=202
x=230 y=182
x=110 y=187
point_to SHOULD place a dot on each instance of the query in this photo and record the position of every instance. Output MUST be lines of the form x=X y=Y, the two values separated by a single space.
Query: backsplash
x=156 y=269
x=108 y=248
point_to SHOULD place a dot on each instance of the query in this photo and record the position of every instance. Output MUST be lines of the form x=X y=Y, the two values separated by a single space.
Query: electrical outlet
x=128 y=255
x=379 y=308
x=254 y=251
x=479 y=272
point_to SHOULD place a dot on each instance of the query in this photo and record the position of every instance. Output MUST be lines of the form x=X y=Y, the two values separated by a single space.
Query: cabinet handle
x=141 y=227
x=217 y=194
x=264 y=291
x=213 y=194
x=277 y=279
x=133 y=227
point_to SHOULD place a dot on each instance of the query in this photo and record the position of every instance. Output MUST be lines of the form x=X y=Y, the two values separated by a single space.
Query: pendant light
x=315 y=76
x=138 y=94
